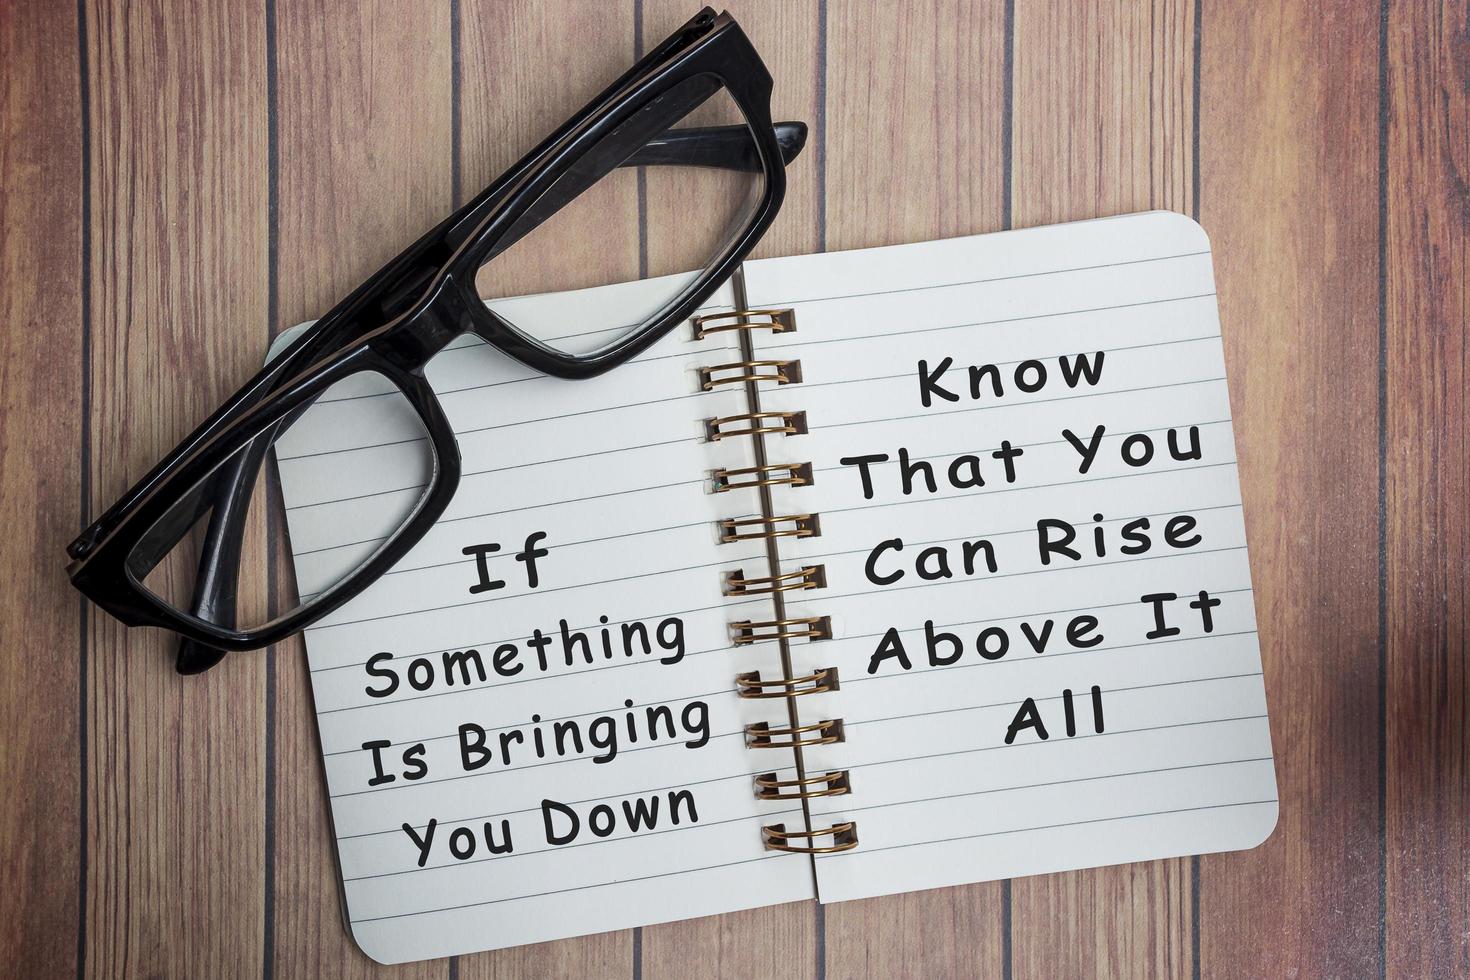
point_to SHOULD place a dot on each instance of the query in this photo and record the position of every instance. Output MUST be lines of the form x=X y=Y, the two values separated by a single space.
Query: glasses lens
x=650 y=207
x=348 y=500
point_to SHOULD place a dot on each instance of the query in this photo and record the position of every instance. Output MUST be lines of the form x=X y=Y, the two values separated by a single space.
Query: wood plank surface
x=1104 y=111
x=1426 y=458
x=1289 y=193
x=41 y=350
x=178 y=181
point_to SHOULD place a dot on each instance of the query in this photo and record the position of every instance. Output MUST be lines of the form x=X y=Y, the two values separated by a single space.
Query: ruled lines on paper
x=1017 y=438
x=515 y=754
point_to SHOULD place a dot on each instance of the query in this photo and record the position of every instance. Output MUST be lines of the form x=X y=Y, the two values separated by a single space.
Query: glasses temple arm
x=721 y=147
x=217 y=582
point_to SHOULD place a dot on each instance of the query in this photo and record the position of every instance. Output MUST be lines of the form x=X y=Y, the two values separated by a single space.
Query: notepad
x=895 y=568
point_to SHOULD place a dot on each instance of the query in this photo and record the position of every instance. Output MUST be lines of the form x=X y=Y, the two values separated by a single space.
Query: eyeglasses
x=695 y=112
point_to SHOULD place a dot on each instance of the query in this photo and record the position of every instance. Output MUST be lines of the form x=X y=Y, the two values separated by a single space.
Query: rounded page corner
x=1186 y=231
x=1262 y=831
x=370 y=944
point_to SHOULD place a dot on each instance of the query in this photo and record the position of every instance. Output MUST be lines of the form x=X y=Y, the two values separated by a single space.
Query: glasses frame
x=423 y=300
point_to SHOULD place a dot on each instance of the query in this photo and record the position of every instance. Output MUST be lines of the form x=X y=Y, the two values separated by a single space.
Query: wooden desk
x=182 y=179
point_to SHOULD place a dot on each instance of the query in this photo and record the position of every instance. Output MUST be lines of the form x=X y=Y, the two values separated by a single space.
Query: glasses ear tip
x=791 y=138
x=196 y=658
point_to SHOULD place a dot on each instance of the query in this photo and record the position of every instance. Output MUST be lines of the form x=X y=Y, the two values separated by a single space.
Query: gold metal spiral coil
x=767 y=475
x=778 y=838
x=761 y=735
x=786 y=423
x=781 y=372
x=752 y=685
x=768 y=787
x=807 y=577
x=800 y=526
x=776 y=321
x=812 y=628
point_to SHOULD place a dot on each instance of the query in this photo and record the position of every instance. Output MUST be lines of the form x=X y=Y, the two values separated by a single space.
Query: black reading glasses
x=690 y=122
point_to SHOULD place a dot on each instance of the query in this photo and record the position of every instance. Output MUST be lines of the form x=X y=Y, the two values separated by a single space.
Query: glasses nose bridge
x=426 y=328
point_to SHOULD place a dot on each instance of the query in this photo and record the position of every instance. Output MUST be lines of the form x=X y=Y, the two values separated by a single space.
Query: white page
x=615 y=471
x=1183 y=762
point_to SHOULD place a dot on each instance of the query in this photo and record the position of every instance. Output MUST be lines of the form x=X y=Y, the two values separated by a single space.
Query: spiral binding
x=752 y=372
x=776 y=321
x=777 y=371
x=766 y=475
x=761 y=734
x=844 y=838
x=807 y=577
x=790 y=424
x=799 y=628
x=768 y=787
x=751 y=685
x=752 y=528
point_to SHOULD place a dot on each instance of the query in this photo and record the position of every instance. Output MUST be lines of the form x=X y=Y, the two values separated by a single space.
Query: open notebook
x=983 y=560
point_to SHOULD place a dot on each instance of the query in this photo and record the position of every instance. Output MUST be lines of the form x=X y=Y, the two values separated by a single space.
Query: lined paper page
x=614 y=472
x=1178 y=758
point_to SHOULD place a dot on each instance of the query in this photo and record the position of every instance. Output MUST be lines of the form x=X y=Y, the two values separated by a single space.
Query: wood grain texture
x=1289 y=169
x=363 y=136
x=1427 y=468
x=175 y=781
x=186 y=834
x=913 y=138
x=1103 y=106
x=1103 y=124
x=914 y=116
x=40 y=475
